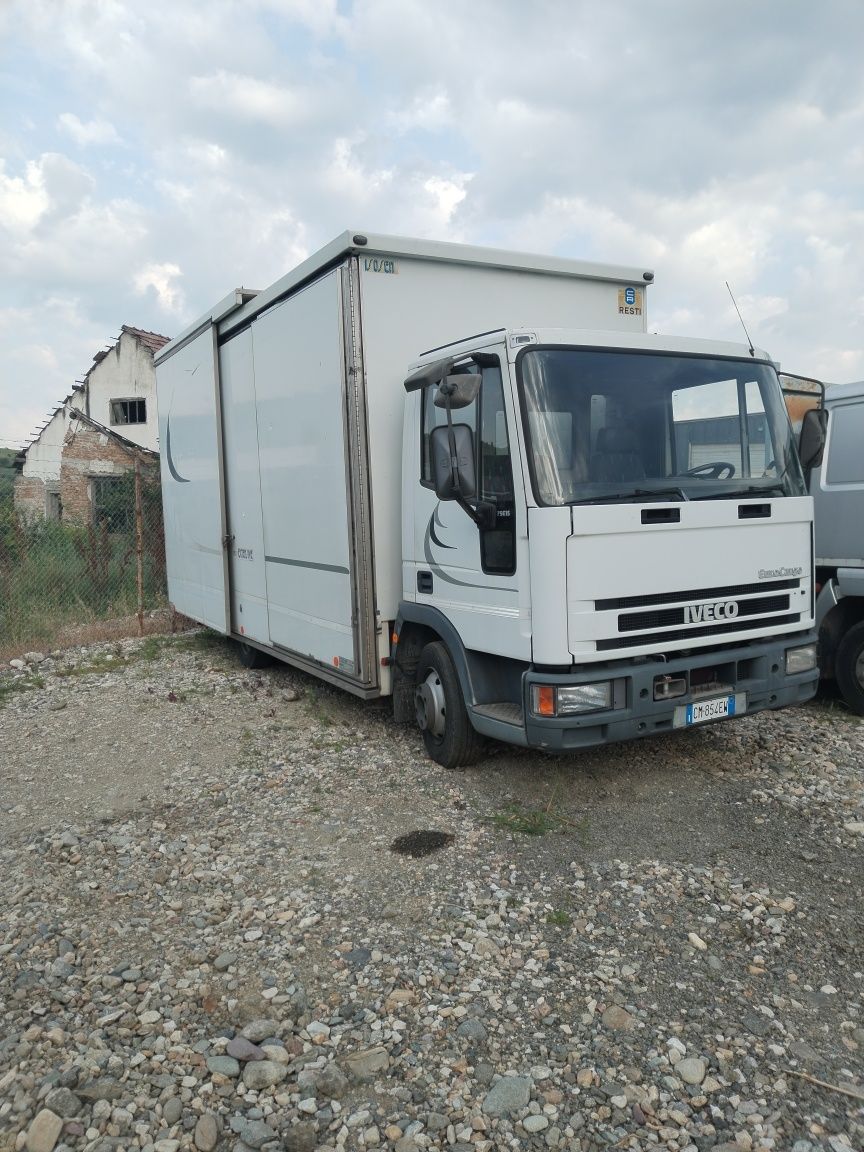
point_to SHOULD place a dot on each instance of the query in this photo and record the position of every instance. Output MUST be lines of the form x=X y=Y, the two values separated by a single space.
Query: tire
x=849 y=668
x=448 y=734
x=252 y=657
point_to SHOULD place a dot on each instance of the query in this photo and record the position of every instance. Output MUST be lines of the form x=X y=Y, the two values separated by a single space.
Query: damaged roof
x=151 y=340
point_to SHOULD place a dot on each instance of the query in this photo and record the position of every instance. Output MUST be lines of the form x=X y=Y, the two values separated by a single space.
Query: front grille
x=638 y=621
x=713 y=629
x=729 y=593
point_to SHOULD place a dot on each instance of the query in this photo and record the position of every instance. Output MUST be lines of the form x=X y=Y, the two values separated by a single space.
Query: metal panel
x=360 y=521
x=300 y=391
x=190 y=431
x=838 y=486
x=243 y=490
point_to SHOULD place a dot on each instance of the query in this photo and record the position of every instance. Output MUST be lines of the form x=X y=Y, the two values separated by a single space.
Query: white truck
x=470 y=479
x=835 y=413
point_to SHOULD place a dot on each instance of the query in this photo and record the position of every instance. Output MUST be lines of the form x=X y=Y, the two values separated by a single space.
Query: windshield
x=612 y=425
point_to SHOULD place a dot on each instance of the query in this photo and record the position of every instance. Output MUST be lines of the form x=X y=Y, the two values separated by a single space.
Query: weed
x=8 y=688
x=152 y=647
x=527 y=821
x=559 y=918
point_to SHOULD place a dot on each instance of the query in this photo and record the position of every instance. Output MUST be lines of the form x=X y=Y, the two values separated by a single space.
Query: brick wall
x=28 y=494
x=88 y=453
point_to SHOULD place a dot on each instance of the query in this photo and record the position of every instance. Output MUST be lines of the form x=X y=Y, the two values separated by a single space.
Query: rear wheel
x=252 y=657
x=849 y=668
x=448 y=734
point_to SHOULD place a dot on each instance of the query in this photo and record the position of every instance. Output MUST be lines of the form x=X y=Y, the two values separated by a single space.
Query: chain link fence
x=65 y=581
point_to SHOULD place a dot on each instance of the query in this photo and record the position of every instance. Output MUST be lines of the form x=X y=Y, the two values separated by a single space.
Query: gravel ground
x=208 y=938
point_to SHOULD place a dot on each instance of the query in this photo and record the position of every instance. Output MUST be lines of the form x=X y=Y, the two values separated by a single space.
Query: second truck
x=472 y=480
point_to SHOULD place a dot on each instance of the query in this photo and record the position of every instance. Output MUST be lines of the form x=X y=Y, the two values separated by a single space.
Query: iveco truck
x=471 y=480
x=835 y=414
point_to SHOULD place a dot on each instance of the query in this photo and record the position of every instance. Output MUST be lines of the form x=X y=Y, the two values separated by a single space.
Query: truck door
x=470 y=574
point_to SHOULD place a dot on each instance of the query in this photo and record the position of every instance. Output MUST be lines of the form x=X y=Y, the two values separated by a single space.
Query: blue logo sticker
x=629 y=295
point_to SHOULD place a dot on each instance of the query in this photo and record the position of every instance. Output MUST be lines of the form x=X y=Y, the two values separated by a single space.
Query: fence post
x=139 y=545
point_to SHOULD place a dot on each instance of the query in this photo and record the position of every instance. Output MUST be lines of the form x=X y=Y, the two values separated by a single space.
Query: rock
x=64 y=1102
x=472 y=1030
x=258 y=1030
x=856 y=827
x=358 y=957
x=172 y=1110
x=223 y=1065
x=44 y=1132
x=365 y=1065
x=697 y=942
x=618 y=1019
x=300 y=1137
x=263 y=1074
x=507 y=1095
x=253 y=1133
x=331 y=1083
x=206 y=1132
x=535 y=1123
x=224 y=961
x=106 y=1089
x=34 y=657
x=242 y=1049
x=691 y=1070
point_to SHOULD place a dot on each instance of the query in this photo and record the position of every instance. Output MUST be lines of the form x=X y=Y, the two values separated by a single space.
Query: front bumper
x=755 y=670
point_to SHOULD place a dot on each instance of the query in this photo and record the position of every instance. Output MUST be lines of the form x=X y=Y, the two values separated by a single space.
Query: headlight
x=585 y=698
x=801 y=659
x=550 y=700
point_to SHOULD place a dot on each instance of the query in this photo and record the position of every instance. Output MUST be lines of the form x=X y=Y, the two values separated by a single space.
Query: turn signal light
x=544 y=700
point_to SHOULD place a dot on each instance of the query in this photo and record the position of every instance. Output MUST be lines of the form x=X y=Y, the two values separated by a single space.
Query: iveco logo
x=699 y=613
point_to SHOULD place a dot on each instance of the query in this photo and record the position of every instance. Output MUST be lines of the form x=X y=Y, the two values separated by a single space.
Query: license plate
x=714 y=709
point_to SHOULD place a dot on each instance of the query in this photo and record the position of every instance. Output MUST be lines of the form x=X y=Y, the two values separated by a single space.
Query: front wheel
x=448 y=734
x=849 y=668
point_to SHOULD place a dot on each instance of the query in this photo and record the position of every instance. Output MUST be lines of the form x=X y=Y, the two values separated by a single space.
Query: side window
x=845 y=437
x=487 y=417
x=498 y=543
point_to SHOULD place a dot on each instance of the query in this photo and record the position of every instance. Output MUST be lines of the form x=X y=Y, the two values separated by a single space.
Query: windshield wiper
x=634 y=493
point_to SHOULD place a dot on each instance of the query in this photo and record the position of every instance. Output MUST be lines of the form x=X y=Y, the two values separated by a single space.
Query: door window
x=487 y=418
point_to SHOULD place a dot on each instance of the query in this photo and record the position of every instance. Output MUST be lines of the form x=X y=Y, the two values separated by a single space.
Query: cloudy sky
x=155 y=155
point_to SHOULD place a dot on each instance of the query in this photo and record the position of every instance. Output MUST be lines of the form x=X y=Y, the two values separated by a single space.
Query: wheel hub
x=429 y=705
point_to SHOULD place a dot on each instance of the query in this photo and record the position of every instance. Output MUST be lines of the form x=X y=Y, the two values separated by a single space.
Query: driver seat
x=616 y=457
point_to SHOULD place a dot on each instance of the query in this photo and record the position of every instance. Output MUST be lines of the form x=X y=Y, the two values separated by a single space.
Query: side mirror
x=461 y=390
x=811 y=443
x=465 y=486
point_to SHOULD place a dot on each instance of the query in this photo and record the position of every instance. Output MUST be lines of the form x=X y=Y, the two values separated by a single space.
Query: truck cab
x=605 y=536
x=837 y=485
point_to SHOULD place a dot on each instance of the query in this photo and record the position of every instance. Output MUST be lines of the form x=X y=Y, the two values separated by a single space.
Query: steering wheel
x=715 y=470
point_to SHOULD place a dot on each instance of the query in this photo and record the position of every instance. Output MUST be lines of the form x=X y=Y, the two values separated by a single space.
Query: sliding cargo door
x=190 y=443
x=299 y=369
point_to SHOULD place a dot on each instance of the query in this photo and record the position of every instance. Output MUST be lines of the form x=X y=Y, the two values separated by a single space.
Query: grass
x=526 y=821
x=559 y=918
x=8 y=688
x=58 y=574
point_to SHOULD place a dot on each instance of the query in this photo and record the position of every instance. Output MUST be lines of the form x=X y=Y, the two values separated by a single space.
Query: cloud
x=93 y=132
x=161 y=279
x=709 y=143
